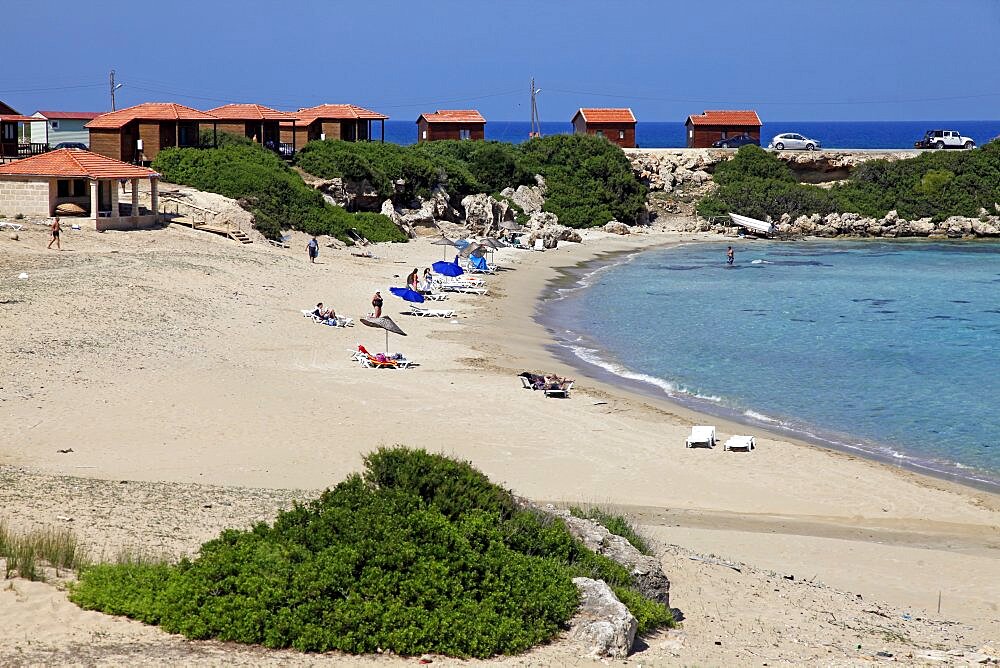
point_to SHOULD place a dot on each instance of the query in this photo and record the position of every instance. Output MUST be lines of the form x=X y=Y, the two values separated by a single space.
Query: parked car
x=944 y=139
x=735 y=142
x=793 y=140
x=71 y=144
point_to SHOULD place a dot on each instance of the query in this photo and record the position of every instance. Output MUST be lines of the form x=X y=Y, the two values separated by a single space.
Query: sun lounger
x=437 y=297
x=526 y=383
x=701 y=435
x=13 y=226
x=341 y=320
x=747 y=443
x=562 y=391
x=431 y=312
x=539 y=245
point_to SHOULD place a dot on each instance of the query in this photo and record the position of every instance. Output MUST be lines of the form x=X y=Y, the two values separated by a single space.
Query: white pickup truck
x=945 y=139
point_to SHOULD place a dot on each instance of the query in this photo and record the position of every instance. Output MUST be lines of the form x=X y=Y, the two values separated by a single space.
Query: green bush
x=265 y=186
x=934 y=185
x=420 y=554
x=590 y=181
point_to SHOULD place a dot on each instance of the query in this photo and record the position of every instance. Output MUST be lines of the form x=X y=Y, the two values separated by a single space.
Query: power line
x=51 y=88
x=730 y=101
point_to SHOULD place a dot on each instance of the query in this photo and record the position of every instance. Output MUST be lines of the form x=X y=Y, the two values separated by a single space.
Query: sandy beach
x=194 y=396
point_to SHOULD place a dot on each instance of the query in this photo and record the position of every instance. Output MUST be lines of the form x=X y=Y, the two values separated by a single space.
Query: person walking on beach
x=313 y=248
x=55 y=235
x=377 y=304
x=730 y=256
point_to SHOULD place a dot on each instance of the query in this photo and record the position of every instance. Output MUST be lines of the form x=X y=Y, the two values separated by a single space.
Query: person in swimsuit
x=730 y=255
x=412 y=282
x=377 y=304
x=55 y=235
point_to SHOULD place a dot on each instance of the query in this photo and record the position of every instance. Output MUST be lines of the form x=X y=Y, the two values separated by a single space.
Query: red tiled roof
x=250 y=112
x=17 y=118
x=70 y=115
x=607 y=115
x=150 y=111
x=453 y=116
x=726 y=118
x=337 y=111
x=75 y=163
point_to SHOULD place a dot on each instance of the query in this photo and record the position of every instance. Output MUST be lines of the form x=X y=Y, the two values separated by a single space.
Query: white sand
x=177 y=357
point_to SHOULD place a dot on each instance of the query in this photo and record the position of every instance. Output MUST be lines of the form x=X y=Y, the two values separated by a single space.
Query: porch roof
x=17 y=118
x=77 y=164
x=338 y=112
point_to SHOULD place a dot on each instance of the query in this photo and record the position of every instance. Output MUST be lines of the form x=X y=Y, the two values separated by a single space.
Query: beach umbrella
x=473 y=249
x=443 y=241
x=386 y=323
x=491 y=243
x=447 y=268
x=511 y=225
x=407 y=294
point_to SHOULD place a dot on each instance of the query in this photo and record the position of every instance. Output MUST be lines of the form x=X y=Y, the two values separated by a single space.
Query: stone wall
x=27 y=195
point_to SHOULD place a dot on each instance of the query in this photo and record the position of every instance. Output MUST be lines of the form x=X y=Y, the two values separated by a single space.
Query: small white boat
x=752 y=224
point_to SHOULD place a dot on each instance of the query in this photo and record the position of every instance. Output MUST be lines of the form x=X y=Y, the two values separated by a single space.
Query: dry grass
x=25 y=554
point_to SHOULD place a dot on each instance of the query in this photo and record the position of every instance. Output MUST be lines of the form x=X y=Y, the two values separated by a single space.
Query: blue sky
x=789 y=59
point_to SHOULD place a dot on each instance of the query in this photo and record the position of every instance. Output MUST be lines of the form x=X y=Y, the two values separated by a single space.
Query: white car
x=945 y=139
x=794 y=140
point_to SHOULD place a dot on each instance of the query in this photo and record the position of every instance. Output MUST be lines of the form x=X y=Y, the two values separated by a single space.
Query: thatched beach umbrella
x=386 y=323
x=510 y=225
x=443 y=241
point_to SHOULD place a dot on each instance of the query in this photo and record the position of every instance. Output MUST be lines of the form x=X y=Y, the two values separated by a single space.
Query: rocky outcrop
x=351 y=195
x=646 y=571
x=529 y=198
x=889 y=226
x=615 y=227
x=425 y=219
x=603 y=626
x=483 y=213
x=667 y=170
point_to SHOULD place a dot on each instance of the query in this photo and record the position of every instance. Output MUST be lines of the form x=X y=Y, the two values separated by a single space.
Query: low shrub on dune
x=419 y=554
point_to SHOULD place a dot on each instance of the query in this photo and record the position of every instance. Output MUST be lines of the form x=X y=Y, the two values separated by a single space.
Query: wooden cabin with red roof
x=451 y=124
x=72 y=181
x=346 y=122
x=137 y=134
x=14 y=135
x=254 y=121
x=615 y=125
x=710 y=126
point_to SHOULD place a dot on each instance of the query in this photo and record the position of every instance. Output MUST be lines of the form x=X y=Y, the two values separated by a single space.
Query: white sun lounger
x=700 y=435
x=464 y=289
x=13 y=226
x=559 y=391
x=342 y=321
x=431 y=312
x=747 y=443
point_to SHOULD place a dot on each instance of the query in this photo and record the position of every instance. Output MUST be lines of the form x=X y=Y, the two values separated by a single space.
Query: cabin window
x=621 y=134
x=464 y=134
x=71 y=188
x=599 y=133
x=423 y=134
x=54 y=125
x=9 y=131
x=691 y=133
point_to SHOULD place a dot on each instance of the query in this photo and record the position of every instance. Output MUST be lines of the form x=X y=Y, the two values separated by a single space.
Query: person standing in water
x=55 y=235
x=730 y=256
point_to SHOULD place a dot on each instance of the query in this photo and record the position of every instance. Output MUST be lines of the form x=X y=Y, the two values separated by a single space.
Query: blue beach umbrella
x=407 y=294
x=447 y=269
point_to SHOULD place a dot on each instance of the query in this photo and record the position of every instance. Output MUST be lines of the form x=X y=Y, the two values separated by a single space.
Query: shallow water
x=889 y=348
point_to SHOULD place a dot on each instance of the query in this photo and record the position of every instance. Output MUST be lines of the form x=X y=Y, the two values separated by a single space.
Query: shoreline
x=574 y=278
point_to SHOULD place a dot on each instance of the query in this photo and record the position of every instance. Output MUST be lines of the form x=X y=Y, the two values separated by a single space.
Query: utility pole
x=536 y=123
x=114 y=87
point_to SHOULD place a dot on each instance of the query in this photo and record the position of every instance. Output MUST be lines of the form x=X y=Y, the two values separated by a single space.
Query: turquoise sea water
x=887 y=348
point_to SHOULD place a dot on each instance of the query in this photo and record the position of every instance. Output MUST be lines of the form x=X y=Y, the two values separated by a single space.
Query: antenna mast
x=536 y=123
